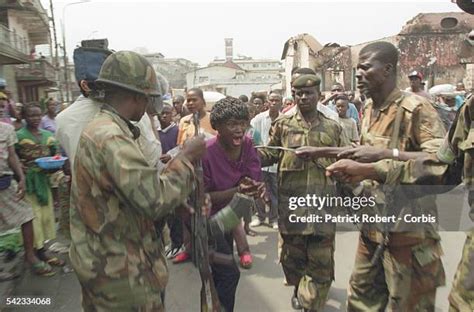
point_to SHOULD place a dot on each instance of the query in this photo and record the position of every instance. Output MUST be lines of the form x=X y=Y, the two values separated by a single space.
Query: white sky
x=195 y=30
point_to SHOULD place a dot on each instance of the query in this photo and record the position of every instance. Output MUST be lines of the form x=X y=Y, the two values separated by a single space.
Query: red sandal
x=181 y=257
x=246 y=260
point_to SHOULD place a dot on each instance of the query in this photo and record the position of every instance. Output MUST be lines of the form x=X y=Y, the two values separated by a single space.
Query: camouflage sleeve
x=428 y=128
x=139 y=185
x=425 y=170
x=270 y=156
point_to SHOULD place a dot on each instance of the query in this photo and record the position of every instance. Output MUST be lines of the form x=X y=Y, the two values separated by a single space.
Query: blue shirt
x=459 y=101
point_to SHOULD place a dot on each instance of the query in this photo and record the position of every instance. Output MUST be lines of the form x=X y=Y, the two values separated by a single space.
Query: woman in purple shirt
x=230 y=165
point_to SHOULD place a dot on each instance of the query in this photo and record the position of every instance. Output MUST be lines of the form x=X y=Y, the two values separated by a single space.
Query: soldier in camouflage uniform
x=117 y=194
x=453 y=163
x=307 y=253
x=403 y=126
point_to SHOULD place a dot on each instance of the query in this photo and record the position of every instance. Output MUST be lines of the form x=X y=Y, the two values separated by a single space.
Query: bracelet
x=395 y=153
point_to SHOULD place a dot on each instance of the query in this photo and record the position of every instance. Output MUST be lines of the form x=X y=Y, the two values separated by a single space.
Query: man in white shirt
x=262 y=123
x=71 y=121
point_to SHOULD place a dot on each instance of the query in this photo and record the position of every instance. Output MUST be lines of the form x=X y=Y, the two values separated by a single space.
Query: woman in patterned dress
x=34 y=143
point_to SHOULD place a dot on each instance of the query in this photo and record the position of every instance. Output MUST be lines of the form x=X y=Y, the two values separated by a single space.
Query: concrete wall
x=8 y=73
x=15 y=25
x=209 y=75
x=238 y=89
x=469 y=78
x=417 y=52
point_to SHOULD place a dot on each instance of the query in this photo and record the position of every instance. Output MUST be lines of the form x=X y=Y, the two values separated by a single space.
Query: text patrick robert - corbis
x=318 y=203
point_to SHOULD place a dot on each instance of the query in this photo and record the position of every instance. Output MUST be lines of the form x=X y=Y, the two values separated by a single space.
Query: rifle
x=200 y=248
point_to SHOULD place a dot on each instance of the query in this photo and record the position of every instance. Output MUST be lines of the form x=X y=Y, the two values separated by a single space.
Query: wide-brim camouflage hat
x=131 y=71
x=306 y=81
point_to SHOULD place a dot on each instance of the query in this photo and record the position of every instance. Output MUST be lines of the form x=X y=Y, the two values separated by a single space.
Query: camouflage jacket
x=116 y=196
x=421 y=130
x=299 y=178
x=452 y=164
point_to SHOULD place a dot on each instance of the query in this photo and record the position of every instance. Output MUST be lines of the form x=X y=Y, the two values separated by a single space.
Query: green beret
x=307 y=81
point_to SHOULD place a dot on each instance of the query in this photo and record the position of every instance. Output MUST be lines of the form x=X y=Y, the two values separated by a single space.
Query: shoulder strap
x=398 y=121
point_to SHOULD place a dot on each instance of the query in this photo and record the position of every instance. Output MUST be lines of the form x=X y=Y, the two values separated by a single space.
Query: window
x=449 y=22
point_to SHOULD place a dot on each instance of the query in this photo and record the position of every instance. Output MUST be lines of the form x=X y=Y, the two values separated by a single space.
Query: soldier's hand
x=194 y=148
x=165 y=158
x=365 y=154
x=307 y=152
x=184 y=210
x=349 y=171
x=206 y=208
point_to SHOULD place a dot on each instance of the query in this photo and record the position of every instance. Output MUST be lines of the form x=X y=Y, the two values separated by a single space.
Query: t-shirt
x=168 y=137
x=7 y=138
x=262 y=123
x=186 y=128
x=421 y=93
x=352 y=111
x=48 y=124
x=349 y=128
x=220 y=173
x=72 y=120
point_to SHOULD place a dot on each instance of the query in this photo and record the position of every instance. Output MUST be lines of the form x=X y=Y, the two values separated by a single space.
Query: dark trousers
x=175 y=224
x=226 y=277
x=271 y=183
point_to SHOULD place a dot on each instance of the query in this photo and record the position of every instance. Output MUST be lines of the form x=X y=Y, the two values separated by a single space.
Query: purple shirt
x=168 y=137
x=220 y=173
x=48 y=124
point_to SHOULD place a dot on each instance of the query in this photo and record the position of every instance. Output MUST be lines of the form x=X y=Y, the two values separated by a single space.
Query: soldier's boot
x=295 y=303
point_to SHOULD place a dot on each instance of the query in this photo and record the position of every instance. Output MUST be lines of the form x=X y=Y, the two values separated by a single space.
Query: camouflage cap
x=306 y=81
x=131 y=71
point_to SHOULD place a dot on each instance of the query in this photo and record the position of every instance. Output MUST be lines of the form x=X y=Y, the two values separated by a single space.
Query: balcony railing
x=39 y=69
x=14 y=41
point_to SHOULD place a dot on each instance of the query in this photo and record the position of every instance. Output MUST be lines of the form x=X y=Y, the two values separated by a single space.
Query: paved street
x=260 y=289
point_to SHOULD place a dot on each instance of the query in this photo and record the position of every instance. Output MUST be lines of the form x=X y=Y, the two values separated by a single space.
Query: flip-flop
x=41 y=268
x=250 y=232
x=55 y=261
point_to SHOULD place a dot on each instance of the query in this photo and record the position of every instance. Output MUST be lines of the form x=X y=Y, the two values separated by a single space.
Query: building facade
x=435 y=44
x=24 y=25
x=172 y=69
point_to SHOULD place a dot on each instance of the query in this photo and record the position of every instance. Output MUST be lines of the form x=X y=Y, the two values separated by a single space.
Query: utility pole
x=56 y=52
x=63 y=28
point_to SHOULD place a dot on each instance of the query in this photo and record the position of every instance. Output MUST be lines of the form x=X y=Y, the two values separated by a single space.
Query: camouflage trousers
x=404 y=279
x=92 y=301
x=308 y=264
x=461 y=297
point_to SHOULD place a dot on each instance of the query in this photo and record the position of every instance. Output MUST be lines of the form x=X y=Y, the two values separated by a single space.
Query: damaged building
x=435 y=44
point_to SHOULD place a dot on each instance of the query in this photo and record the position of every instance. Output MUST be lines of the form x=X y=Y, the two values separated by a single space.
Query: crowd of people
x=128 y=184
x=28 y=201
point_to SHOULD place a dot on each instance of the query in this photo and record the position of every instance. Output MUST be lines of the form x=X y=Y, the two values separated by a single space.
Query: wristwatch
x=395 y=153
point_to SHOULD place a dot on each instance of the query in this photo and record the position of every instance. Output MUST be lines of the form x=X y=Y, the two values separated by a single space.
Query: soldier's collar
x=391 y=98
x=299 y=117
x=133 y=129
